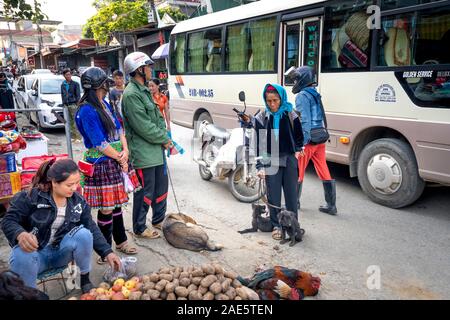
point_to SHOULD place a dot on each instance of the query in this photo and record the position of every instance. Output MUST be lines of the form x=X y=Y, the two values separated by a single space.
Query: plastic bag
x=127 y=271
x=129 y=187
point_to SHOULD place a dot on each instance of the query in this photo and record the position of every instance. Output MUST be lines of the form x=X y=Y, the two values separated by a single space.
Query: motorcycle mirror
x=242 y=96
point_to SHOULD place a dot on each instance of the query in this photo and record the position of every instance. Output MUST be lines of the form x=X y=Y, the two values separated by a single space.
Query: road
x=408 y=248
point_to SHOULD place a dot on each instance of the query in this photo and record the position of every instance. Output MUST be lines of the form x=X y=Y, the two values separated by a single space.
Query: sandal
x=149 y=234
x=127 y=248
x=158 y=226
x=276 y=234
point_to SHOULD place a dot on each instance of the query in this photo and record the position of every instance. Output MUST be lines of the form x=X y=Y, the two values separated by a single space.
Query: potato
x=149 y=286
x=221 y=296
x=197 y=273
x=135 y=295
x=163 y=295
x=161 y=285
x=184 y=274
x=195 y=295
x=202 y=290
x=177 y=273
x=238 y=298
x=170 y=287
x=221 y=278
x=139 y=286
x=236 y=284
x=218 y=269
x=181 y=298
x=196 y=280
x=242 y=293
x=181 y=292
x=172 y=270
x=208 y=296
x=154 y=294
x=190 y=269
x=145 y=279
x=167 y=277
x=185 y=282
x=215 y=288
x=104 y=285
x=230 y=274
x=176 y=282
x=154 y=277
x=208 y=280
x=145 y=296
x=208 y=269
x=231 y=293
x=171 y=296
x=192 y=287
x=226 y=285
x=164 y=271
x=252 y=295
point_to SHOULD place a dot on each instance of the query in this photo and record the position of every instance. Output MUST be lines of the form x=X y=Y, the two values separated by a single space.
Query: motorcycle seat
x=218 y=132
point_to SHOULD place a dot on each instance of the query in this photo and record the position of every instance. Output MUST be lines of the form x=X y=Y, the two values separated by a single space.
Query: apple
x=119 y=281
x=118 y=296
x=130 y=284
x=126 y=292
x=100 y=291
x=117 y=287
x=87 y=296
x=109 y=294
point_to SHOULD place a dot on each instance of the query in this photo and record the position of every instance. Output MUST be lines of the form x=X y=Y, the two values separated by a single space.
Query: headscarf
x=285 y=106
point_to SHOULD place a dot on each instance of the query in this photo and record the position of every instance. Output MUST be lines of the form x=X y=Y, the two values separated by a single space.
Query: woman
x=108 y=152
x=308 y=103
x=280 y=143
x=51 y=225
x=161 y=100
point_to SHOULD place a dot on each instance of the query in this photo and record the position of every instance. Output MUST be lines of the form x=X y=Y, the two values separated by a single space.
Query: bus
x=383 y=70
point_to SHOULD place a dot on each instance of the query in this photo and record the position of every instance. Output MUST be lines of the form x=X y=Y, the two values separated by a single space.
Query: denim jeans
x=76 y=245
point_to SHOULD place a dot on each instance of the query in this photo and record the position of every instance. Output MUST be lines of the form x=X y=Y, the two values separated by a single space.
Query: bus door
x=301 y=44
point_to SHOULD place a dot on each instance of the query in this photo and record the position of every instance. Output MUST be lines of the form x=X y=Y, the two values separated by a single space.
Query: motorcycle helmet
x=135 y=60
x=95 y=78
x=302 y=77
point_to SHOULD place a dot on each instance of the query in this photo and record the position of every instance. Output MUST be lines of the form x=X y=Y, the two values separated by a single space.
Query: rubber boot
x=329 y=188
x=299 y=189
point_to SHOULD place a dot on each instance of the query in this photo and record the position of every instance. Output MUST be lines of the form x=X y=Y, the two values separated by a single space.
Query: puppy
x=291 y=226
x=259 y=220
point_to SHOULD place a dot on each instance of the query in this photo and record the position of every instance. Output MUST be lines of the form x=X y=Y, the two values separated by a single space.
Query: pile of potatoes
x=208 y=282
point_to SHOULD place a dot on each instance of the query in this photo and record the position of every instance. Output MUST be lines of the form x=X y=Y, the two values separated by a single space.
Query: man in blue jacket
x=70 y=94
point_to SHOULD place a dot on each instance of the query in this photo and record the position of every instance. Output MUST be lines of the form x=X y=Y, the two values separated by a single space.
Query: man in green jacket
x=147 y=138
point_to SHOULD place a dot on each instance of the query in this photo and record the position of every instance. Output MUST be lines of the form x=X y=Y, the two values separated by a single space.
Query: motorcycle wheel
x=240 y=190
x=205 y=174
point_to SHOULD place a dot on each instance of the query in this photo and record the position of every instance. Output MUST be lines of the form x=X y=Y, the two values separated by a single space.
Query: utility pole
x=41 y=58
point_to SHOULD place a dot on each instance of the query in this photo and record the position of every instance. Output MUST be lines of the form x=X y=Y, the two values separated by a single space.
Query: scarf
x=285 y=106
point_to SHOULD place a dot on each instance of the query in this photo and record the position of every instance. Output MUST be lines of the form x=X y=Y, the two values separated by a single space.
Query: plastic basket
x=33 y=163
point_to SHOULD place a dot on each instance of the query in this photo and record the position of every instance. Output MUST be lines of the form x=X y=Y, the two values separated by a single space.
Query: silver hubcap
x=384 y=173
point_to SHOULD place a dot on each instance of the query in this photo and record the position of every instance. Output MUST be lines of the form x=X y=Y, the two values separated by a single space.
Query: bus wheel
x=388 y=173
x=203 y=117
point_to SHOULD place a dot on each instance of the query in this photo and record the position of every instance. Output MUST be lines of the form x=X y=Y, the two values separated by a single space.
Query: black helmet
x=94 y=78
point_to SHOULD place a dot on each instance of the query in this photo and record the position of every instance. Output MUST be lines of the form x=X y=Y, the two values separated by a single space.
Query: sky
x=70 y=12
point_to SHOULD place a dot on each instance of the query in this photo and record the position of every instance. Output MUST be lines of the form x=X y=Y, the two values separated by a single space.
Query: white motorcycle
x=228 y=155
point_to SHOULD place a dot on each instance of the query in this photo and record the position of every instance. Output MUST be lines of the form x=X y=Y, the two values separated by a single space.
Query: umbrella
x=162 y=52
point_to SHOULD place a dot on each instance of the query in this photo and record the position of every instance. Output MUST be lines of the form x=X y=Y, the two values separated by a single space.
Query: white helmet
x=135 y=60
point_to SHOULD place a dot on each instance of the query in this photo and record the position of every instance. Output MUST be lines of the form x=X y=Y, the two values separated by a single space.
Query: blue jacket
x=70 y=92
x=307 y=103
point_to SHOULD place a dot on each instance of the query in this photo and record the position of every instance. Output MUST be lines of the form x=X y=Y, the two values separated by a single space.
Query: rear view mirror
x=242 y=96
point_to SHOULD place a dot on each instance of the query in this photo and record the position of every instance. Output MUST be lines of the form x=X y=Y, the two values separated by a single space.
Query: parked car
x=23 y=89
x=45 y=94
x=41 y=71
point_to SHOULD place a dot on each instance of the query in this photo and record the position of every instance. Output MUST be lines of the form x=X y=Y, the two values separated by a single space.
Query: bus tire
x=204 y=116
x=388 y=173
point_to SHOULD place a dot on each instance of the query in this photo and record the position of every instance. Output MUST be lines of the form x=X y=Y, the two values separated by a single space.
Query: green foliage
x=20 y=9
x=175 y=13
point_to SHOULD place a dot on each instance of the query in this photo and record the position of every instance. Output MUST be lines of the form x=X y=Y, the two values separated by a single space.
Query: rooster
x=283 y=283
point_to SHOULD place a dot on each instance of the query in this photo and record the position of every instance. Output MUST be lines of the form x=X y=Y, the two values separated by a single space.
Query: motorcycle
x=228 y=155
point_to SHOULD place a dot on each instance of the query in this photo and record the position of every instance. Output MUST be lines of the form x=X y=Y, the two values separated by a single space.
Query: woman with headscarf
x=279 y=145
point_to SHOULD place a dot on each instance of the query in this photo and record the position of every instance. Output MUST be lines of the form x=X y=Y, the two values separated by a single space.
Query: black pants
x=155 y=185
x=286 y=178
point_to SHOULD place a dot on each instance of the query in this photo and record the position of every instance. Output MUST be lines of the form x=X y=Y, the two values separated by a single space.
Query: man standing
x=70 y=93
x=147 y=138
x=115 y=94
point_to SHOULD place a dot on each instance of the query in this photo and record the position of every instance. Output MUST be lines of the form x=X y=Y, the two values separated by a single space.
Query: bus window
x=262 y=39
x=205 y=51
x=237 y=52
x=177 y=57
x=292 y=49
x=395 y=4
x=415 y=38
x=346 y=36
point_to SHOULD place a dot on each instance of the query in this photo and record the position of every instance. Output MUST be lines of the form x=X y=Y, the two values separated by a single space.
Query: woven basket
x=356 y=29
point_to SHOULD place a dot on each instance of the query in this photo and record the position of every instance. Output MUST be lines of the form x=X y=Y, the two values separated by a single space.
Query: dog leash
x=264 y=198
x=173 y=189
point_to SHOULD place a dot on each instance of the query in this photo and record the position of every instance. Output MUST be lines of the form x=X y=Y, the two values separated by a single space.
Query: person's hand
x=114 y=261
x=28 y=242
x=168 y=145
x=245 y=118
x=261 y=174
x=300 y=154
x=123 y=156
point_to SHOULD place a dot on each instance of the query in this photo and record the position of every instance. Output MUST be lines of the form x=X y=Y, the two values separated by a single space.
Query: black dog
x=291 y=226
x=259 y=222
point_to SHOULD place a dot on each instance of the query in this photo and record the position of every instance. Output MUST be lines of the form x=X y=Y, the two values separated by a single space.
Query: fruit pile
x=208 y=282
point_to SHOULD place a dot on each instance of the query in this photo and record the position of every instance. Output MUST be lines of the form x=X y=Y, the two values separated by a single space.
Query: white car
x=41 y=71
x=23 y=89
x=45 y=94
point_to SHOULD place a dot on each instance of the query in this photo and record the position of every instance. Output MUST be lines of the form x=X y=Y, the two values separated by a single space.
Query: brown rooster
x=283 y=283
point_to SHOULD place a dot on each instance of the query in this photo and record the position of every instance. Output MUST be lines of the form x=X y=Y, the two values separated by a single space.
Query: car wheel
x=388 y=173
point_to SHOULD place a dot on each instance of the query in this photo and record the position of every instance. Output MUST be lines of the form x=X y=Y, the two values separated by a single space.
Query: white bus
x=386 y=91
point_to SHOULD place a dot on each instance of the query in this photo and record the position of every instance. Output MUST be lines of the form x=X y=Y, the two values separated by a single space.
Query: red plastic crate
x=33 y=163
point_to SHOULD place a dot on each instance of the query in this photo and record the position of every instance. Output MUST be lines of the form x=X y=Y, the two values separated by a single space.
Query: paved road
x=409 y=247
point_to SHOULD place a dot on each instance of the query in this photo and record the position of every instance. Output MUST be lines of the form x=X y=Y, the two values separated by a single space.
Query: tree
x=19 y=9
x=175 y=13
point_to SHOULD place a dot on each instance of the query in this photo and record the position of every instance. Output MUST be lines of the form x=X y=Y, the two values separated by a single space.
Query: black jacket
x=38 y=210
x=71 y=96
x=290 y=135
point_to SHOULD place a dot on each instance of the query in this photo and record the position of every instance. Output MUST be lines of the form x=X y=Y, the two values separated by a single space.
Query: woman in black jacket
x=51 y=225
x=279 y=144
